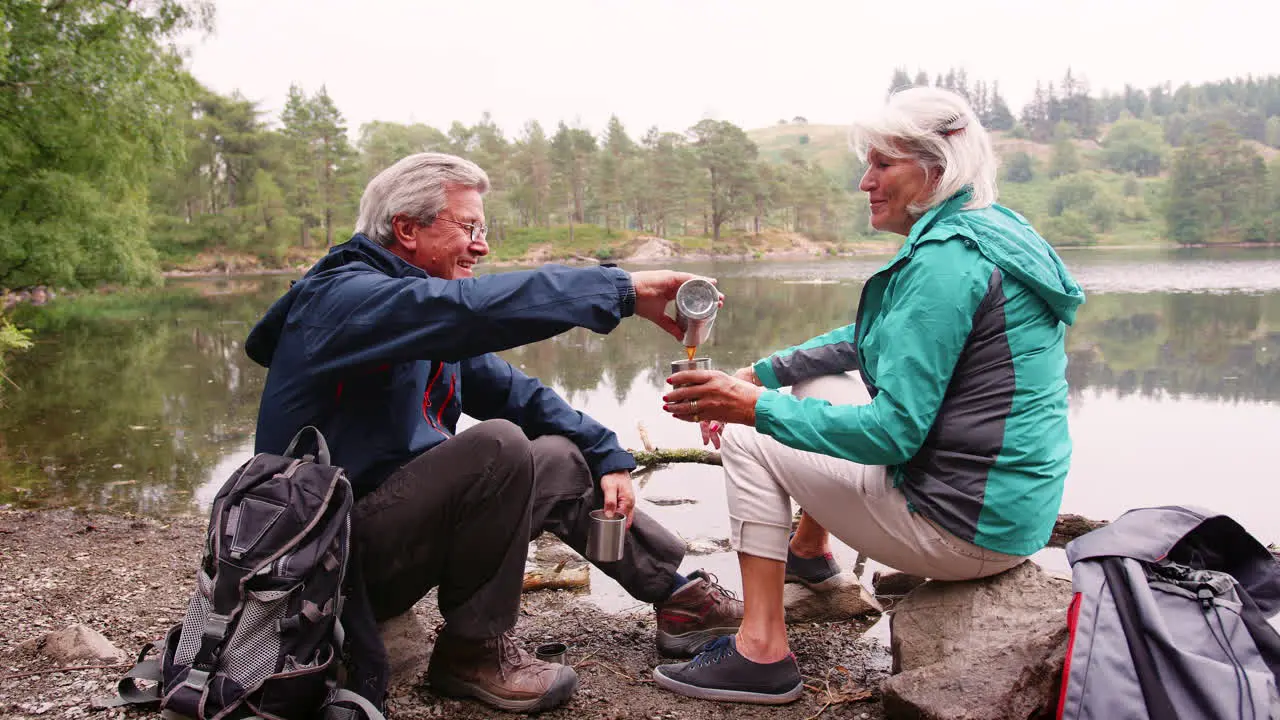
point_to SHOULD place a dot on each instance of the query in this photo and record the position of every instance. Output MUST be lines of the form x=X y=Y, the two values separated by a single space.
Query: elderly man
x=383 y=345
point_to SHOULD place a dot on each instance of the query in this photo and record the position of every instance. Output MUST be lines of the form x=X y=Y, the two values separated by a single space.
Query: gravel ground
x=129 y=579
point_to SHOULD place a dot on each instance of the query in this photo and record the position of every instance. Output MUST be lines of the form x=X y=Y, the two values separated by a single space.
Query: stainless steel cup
x=694 y=364
x=555 y=652
x=605 y=537
x=697 y=302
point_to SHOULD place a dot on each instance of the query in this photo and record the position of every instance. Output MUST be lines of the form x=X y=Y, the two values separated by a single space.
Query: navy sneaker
x=721 y=673
x=818 y=574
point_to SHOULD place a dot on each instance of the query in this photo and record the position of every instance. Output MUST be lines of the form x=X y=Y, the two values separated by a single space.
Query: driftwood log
x=557 y=577
x=1067 y=528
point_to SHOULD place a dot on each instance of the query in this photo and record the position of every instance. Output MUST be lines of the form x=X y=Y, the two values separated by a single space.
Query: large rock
x=981 y=649
x=847 y=599
x=408 y=643
x=78 y=643
x=894 y=585
x=1020 y=680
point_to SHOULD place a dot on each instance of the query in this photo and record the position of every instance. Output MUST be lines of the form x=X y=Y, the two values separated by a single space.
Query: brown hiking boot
x=696 y=614
x=499 y=673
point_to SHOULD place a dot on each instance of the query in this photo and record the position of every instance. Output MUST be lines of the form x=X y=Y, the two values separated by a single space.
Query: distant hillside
x=828 y=145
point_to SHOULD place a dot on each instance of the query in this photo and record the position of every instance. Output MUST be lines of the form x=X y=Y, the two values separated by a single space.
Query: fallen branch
x=559 y=578
x=644 y=437
x=662 y=456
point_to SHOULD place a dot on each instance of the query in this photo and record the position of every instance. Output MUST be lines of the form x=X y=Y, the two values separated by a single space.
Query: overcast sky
x=672 y=62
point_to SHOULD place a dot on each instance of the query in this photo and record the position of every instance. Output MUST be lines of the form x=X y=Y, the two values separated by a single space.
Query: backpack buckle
x=197 y=679
x=215 y=627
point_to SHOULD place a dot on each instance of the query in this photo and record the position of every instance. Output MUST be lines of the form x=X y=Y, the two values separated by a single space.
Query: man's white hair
x=415 y=187
x=938 y=129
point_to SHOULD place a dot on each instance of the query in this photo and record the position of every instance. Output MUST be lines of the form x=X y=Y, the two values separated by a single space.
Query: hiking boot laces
x=717 y=589
x=509 y=654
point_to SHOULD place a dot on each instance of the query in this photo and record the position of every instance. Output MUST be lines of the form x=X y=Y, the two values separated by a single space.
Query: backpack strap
x=340 y=707
x=322 y=447
x=1263 y=634
x=127 y=690
x=1154 y=693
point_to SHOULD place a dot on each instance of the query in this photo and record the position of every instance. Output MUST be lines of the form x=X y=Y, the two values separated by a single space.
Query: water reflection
x=128 y=400
x=137 y=401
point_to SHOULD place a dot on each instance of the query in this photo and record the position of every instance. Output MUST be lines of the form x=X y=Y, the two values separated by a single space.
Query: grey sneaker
x=721 y=673
x=818 y=574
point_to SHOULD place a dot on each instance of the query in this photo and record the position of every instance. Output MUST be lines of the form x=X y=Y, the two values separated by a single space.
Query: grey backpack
x=261 y=636
x=1174 y=617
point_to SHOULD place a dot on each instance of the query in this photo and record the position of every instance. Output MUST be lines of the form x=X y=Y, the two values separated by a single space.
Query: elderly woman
x=944 y=455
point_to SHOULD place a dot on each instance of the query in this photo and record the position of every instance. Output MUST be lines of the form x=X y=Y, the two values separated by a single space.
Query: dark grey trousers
x=461 y=515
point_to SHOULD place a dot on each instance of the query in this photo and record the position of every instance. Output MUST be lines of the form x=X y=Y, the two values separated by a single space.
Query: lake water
x=145 y=402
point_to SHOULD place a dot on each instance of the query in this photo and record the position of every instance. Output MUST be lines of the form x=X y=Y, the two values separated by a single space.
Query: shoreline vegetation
x=651 y=250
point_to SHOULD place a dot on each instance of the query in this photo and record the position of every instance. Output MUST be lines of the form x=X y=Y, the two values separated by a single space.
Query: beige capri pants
x=857 y=503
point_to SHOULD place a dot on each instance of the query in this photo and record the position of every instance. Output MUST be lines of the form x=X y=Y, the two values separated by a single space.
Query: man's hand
x=619 y=496
x=656 y=288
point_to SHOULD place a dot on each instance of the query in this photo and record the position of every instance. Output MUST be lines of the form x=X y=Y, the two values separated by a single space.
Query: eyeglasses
x=478 y=232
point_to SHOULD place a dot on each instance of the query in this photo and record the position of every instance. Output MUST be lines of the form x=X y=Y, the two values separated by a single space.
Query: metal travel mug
x=697 y=302
x=556 y=652
x=694 y=364
x=605 y=537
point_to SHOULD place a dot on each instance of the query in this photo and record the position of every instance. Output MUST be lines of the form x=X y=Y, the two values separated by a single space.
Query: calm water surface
x=146 y=402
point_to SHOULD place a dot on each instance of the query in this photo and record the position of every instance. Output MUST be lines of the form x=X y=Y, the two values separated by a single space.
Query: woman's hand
x=711 y=395
x=711 y=430
x=748 y=373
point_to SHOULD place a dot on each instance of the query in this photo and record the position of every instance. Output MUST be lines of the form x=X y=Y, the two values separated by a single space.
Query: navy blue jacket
x=376 y=353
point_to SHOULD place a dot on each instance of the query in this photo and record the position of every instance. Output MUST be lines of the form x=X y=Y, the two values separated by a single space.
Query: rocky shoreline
x=128 y=578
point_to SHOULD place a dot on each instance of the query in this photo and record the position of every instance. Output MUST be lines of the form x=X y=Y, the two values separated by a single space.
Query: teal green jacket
x=959 y=340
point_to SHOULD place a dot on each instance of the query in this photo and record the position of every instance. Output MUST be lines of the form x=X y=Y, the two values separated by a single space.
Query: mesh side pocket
x=253 y=650
x=198 y=610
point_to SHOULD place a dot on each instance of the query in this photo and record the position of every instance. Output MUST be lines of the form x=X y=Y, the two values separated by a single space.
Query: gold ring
x=693 y=405
x=695 y=417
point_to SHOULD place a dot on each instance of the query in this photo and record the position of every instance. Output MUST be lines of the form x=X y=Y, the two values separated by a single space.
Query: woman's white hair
x=938 y=129
x=415 y=187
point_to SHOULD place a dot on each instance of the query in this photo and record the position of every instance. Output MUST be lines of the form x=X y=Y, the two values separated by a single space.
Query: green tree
x=91 y=97
x=302 y=182
x=335 y=164
x=532 y=174
x=999 y=116
x=1020 y=168
x=728 y=156
x=1189 y=211
x=381 y=144
x=1070 y=228
x=324 y=169
x=1135 y=146
x=572 y=150
x=1273 y=131
x=1215 y=188
x=614 y=182
x=1072 y=192
x=900 y=81
x=1064 y=159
